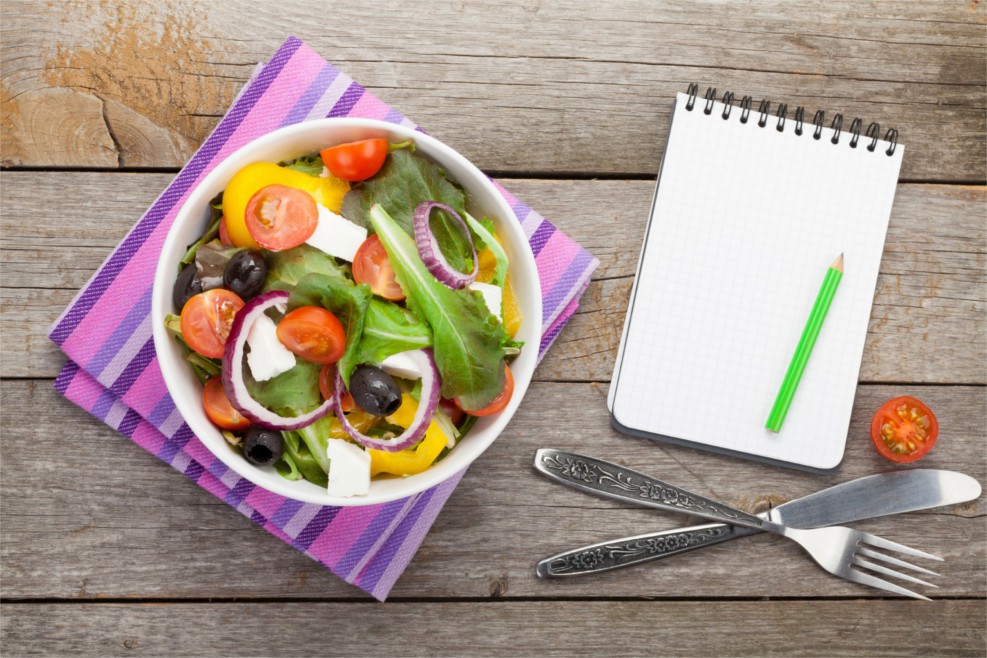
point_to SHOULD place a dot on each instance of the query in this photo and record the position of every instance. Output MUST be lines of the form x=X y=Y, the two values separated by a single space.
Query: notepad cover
x=745 y=222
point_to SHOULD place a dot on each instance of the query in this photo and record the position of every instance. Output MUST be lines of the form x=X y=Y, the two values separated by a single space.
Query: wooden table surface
x=107 y=551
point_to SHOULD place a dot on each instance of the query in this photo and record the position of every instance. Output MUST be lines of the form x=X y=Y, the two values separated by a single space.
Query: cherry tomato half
x=218 y=407
x=326 y=386
x=224 y=233
x=451 y=409
x=499 y=402
x=279 y=217
x=356 y=160
x=314 y=334
x=372 y=267
x=904 y=429
x=207 y=319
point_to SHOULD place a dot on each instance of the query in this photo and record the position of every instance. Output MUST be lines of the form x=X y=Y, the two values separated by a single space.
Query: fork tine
x=874 y=540
x=873 y=581
x=890 y=572
x=895 y=561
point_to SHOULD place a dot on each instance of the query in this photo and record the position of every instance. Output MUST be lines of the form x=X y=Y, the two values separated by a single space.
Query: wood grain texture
x=930 y=303
x=141 y=84
x=76 y=488
x=724 y=628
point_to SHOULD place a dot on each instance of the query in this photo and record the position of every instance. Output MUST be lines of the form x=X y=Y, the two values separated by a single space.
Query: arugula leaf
x=485 y=231
x=390 y=329
x=405 y=180
x=307 y=164
x=286 y=268
x=467 y=338
x=347 y=301
x=217 y=214
x=304 y=461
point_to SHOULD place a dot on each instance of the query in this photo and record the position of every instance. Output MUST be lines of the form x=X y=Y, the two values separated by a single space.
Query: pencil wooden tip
x=838 y=264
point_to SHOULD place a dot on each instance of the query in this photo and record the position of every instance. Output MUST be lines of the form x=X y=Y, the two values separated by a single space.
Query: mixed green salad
x=347 y=316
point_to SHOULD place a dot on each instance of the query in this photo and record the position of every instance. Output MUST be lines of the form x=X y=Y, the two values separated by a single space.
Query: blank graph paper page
x=745 y=222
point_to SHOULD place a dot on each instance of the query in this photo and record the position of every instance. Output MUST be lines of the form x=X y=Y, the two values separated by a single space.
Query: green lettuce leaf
x=485 y=231
x=405 y=180
x=286 y=268
x=347 y=301
x=291 y=393
x=390 y=329
x=304 y=460
x=467 y=338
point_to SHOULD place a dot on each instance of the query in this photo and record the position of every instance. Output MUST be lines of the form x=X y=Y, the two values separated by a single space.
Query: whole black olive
x=187 y=286
x=245 y=274
x=263 y=447
x=375 y=391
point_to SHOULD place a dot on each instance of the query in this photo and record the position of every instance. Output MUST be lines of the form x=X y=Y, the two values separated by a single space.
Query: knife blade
x=867 y=497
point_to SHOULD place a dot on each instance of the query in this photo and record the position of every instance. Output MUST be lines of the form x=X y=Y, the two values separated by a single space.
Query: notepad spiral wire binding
x=873 y=131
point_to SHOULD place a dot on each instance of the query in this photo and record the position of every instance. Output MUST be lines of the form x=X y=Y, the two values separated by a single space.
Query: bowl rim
x=471 y=449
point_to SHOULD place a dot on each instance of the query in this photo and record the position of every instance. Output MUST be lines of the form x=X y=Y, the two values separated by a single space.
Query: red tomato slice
x=279 y=217
x=904 y=429
x=314 y=334
x=372 y=267
x=499 y=402
x=326 y=377
x=218 y=407
x=224 y=234
x=355 y=161
x=207 y=319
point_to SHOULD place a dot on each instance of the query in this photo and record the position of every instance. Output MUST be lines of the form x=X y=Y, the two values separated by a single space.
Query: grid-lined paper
x=745 y=222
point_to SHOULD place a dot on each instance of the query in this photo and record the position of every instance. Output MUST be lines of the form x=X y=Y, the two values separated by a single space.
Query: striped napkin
x=113 y=373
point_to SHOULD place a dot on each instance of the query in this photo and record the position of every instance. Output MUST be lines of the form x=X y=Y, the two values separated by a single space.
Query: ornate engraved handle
x=629 y=551
x=612 y=481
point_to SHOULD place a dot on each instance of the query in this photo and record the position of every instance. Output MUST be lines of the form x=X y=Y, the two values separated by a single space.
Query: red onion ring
x=431 y=383
x=432 y=256
x=236 y=388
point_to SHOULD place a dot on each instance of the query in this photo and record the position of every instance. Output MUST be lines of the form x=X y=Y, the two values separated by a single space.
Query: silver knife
x=863 y=498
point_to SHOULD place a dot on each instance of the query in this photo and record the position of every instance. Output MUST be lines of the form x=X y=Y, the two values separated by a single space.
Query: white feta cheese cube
x=349 y=469
x=337 y=236
x=401 y=365
x=492 y=295
x=267 y=357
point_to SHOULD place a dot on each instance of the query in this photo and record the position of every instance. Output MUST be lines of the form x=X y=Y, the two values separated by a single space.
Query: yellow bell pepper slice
x=413 y=460
x=328 y=192
x=510 y=309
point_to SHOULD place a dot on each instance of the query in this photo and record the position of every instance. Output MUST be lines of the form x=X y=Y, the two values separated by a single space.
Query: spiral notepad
x=750 y=209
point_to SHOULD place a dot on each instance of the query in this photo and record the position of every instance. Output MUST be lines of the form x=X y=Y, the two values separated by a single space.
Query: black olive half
x=375 y=391
x=245 y=274
x=263 y=447
x=187 y=286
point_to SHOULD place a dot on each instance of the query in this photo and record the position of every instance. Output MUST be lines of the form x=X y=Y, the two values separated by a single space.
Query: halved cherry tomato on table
x=499 y=402
x=904 y=429
x=372 y=267
x=218 y=407
x=355 y=161
x=314 y=334
x=280 y=217
x=326 y=378
x=207 y=319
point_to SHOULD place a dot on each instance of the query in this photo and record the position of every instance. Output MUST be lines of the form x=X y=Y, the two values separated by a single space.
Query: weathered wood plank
x=143 y=83
x=930 y=301
x=117 y=523
x=627 y=628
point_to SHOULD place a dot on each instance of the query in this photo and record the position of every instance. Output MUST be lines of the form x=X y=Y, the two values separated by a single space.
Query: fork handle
x=609 y=480
x=639 y=549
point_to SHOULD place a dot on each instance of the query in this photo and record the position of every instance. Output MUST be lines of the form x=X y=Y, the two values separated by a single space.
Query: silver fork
x=841 y=551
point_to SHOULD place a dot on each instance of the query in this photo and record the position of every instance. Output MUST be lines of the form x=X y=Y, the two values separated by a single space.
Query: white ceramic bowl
x=286 y=144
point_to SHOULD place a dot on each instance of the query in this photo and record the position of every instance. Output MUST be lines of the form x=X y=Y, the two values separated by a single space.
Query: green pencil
x=806 y=343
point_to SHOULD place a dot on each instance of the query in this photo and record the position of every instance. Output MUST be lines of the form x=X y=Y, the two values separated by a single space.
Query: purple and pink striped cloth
x=113 y=374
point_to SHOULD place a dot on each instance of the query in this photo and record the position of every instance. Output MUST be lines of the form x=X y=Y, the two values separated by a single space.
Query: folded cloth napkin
x=113 y=373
